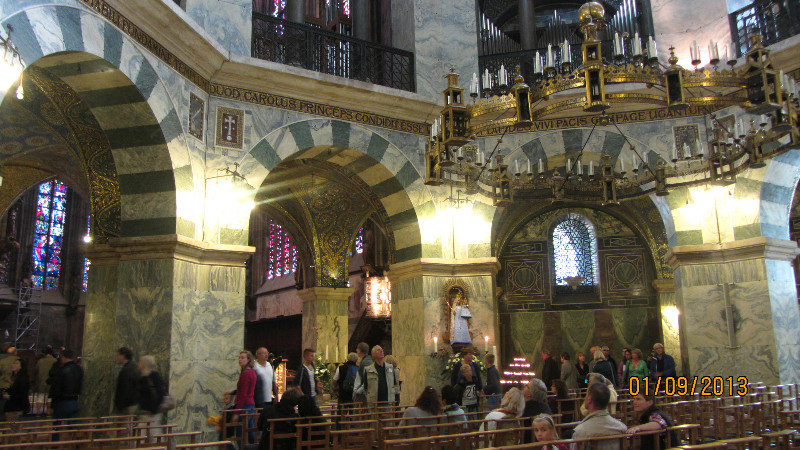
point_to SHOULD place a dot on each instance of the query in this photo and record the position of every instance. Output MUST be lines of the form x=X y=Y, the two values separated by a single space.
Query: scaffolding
x=29 y=311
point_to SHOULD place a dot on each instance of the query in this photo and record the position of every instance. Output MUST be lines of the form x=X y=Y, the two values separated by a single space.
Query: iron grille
x=301 y=45
x=773 y=20
x=574 y=250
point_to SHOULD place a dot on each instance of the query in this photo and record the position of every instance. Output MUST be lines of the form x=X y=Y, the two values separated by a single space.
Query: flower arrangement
x=455 y=359
x=323 y=373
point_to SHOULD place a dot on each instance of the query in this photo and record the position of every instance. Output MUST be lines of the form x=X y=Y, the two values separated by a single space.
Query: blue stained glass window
x=575 y=250
x=48 y=233
x=358 y=248
x=86 y=262
x=281 y=253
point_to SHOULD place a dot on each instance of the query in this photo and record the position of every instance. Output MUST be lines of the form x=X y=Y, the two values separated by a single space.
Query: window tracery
x=51 y=206
x=574 y=251
x=281 y=252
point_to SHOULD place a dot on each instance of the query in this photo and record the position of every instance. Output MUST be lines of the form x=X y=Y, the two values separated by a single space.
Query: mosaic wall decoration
x=230 y=127
x=687 y=140
x=197 y=116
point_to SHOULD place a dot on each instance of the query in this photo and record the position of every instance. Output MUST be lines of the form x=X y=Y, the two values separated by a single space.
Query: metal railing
x=774 y=20
x=28 y=320
x=301 y=45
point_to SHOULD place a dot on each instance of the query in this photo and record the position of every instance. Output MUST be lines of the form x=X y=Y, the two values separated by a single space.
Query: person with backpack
x=345 y=379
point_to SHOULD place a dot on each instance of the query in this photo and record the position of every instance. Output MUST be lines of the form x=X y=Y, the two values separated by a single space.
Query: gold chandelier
x=597 y=87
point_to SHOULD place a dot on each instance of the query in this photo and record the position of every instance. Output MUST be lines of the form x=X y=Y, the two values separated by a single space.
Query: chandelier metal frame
x=596 y=87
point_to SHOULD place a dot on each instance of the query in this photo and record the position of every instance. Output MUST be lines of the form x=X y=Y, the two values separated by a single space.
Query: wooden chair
x=744 y=443
x=170 y=439
x=353 y=438
x=784 y=439
x=221 y=445
x=119 y=442
x=314 y=435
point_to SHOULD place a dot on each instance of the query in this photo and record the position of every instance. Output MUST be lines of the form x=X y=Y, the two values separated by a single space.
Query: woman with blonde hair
x=544 y=428
x=152 y=390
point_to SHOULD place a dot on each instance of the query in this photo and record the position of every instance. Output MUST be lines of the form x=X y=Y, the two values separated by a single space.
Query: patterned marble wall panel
x=99 y=339
x=670 y=328
x=670 y=18
x=196 y=386
x=785 y=319
x=631 y=329
x=603 y=327
x=577 y=329
x=229 y=22
x=526 y=335
x=445 y=36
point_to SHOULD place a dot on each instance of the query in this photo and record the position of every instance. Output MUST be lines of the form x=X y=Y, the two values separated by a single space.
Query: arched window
x=281 y=252
x=575 y=251
x=359 y=244
x=86 y=262
x=51 y=209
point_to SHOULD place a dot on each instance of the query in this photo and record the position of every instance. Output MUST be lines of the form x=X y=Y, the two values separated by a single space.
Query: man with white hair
x=377 y=381
x=265 y=376
x=152 y=390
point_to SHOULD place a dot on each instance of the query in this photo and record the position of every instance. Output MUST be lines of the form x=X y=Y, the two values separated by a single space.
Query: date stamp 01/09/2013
x=689 y=386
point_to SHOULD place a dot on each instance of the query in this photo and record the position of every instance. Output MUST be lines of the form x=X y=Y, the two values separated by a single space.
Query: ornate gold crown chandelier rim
x=756 y=86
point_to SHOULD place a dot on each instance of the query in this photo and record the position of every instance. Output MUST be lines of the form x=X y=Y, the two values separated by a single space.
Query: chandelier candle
x=651 y=47
x=473 y=85
x=637 y=45
x=503 y=76
x=537 y=63
x=550 y=62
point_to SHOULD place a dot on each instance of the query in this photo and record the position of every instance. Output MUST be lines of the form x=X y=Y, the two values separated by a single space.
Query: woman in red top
x=245 y=391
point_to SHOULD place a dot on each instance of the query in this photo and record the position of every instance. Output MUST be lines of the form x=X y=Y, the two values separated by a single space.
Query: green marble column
x=670 y=321
x=419 y=314
x=752 y=282
x=177 y=299
x=325 y=320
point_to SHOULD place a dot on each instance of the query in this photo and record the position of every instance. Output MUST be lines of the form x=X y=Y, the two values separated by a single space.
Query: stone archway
x=154 y=288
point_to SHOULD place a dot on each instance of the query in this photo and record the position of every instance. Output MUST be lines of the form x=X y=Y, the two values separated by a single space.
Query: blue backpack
x=350 y=379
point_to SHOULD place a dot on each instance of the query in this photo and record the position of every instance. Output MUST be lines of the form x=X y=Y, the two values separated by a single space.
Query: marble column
x=360 y=10
x=295 y=11
x=419 y=314
x=177 y=299
x=670 y=321
x=325 y=320
x=445 y=36
x=527 y=24
x=738 y=309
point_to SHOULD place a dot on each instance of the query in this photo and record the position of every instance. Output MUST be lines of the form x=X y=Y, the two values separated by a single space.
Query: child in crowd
x=545 y=430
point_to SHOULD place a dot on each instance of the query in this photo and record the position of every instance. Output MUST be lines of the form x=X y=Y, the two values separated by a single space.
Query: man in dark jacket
x=66 y=387
x=126 y=397
x=550 y=370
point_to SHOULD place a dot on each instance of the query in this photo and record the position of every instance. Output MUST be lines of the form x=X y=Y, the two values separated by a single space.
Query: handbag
x=167 y=401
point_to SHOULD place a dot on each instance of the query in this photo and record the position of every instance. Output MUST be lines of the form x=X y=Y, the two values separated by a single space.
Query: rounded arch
x=129 y=100
x=511 y=220
x=358 y=152
x=554 y=147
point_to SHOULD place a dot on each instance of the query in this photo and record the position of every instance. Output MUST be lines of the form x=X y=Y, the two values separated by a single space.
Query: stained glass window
x=574 y=251
x=281 y=252
x=346 y=7
x=51 y=205
x=359 y=248
x=86 y=262
x=278 y=7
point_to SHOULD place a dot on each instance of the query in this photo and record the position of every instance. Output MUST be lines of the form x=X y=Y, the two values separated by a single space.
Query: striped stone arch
x=759 y=203
x=134 y=109
x=551 y=147
x=361 y=152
